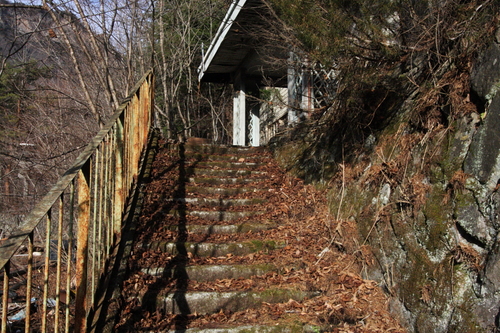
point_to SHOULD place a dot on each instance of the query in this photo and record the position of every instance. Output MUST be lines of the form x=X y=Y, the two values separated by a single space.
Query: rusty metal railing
x=52 y=264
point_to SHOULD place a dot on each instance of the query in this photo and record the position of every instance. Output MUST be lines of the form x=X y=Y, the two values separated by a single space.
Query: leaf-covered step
x=219 y=202
x=224 y=181
x=228 y=165
x=226 y=158
x=225 y=173
x=222 y=150
x=207 y=273
x=206 y=302
x=225 y=229
x=214 y=249
x=284 y=328
x=215 y=215
x=230 y=191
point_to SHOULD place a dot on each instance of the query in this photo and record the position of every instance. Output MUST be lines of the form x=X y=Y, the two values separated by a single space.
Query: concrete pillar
x=292 y=90
x=255 y=125
x=239 y=113
x=307 y=88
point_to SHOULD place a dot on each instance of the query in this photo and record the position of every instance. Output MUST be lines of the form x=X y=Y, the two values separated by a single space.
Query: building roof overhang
x=241 y=44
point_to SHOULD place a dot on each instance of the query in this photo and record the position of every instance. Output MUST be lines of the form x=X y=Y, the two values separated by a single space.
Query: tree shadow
x=180 y=275
x=174 y=272
x=173 y=281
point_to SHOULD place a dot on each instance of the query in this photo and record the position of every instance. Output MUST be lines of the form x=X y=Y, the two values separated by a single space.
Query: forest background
x=65 y=66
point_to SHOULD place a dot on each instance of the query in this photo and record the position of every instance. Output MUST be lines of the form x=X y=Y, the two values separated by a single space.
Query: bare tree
x=64 y=68
x=183 y=28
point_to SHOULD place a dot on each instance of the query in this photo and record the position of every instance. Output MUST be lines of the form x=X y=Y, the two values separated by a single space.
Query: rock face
x=482 y=158
x=480 y=219
x=427 y=205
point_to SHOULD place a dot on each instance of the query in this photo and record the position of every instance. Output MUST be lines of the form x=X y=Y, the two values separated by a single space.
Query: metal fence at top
x=51 y=265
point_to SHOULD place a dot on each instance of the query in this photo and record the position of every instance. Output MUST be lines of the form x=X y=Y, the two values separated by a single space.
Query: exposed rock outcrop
x=425 y=199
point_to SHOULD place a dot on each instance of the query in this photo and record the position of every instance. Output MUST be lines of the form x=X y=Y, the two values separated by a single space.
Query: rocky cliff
x=419 y=180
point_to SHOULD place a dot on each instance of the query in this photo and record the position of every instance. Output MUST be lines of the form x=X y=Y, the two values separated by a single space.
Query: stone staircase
x=205 y=235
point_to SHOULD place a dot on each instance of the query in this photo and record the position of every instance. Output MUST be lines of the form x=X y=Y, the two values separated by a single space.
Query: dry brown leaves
x=312 y=259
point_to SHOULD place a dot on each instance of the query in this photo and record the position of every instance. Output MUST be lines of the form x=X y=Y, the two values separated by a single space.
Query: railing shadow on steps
x=176 y=270
x=53 y=262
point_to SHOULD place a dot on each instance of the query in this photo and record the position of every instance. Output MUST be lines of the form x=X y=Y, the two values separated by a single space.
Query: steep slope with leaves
x=408 y=151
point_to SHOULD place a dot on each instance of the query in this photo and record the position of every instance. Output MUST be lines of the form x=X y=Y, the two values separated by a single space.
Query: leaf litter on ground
x=320 y=254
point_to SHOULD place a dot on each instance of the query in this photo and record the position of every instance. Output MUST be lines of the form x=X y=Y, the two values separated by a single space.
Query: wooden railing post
x=82 y=247
x=5 y=297
x=67 y=321
x=59 y=262
x=29 y=279
x=104 y=173
x=46 y=270
x=119 y=177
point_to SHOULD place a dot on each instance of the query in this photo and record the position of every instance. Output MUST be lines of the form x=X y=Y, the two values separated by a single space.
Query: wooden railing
x=55 y=259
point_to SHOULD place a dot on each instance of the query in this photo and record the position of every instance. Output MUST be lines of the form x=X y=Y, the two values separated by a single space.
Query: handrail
x=90 y=199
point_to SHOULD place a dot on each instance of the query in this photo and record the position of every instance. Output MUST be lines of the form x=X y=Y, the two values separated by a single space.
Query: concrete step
x=215 y=215
x=224 y=181
x=242 y=228
x=213 y=202
x=227 y=158
x=214 y=249
x=207 y=273
x=223 y=150
x=206 y=190
x=225 y=173
x=228 y=165
x=278 y=328
x=207 y=302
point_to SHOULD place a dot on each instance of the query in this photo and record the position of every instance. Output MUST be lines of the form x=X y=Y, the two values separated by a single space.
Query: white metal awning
x=240 y=43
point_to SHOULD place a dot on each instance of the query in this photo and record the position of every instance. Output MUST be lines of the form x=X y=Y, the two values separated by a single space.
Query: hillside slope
x=44 y=114
x=410 y=153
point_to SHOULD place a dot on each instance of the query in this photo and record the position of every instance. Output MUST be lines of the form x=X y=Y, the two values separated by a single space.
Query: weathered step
x=215 y=215
x=223 y=150
x=214 y=249
x=225 y=172
x=219 y=202
x=221 y=190
x=225 y=229
x=227 y=158
x=224 y=181
x=206 y=302
x=227 y=165
x=207 y=273
x=290 y=328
